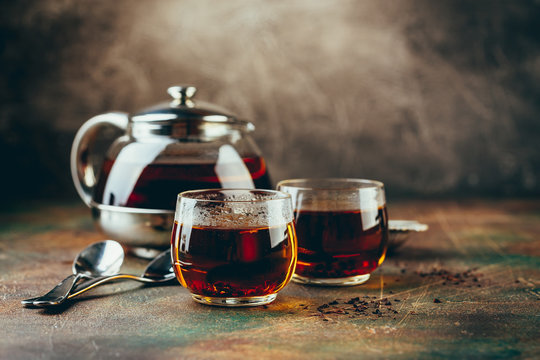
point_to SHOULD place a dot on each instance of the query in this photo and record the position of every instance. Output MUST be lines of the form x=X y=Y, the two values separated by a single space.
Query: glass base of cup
x=346 y=281
x=234 y=301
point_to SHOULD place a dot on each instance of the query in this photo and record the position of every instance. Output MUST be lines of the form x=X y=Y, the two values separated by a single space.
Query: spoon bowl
x=101 y=258
x=98 y=259
x=160 y=269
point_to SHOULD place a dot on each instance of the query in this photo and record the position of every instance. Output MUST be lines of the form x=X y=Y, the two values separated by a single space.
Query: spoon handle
x=58 y=294
x=92 y=283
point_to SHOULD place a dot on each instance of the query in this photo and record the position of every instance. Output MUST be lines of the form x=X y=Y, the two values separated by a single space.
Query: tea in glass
x=234 y=247
x=342 y=229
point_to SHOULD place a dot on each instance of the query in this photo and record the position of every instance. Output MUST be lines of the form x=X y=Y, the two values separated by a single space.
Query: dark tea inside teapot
x=154 y=184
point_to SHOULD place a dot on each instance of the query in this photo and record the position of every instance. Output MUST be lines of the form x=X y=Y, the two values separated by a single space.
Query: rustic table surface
x=467 y=288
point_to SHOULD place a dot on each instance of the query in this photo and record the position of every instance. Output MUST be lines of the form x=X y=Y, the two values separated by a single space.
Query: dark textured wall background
x=435 y=98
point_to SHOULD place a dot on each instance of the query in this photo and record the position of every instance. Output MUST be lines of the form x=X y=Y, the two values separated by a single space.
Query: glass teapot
x=166 y=149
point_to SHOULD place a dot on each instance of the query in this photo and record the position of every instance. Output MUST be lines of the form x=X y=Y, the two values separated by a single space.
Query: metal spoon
x=98 y=259
x=158 y=270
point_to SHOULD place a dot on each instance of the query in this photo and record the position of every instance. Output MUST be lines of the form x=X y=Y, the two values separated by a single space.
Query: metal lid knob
x=182 y=94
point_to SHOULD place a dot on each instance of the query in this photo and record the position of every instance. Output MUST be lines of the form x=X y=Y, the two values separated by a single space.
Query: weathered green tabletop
x=467 y=288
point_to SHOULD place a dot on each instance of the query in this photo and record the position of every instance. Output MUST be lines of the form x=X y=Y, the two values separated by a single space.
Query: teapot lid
x=183 y=108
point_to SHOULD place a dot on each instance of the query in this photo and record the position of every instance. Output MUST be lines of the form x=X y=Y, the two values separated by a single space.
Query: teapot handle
x=82 y=169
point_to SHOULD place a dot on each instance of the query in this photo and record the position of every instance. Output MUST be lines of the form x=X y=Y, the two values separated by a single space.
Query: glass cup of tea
x=342 y=229
x=234 y=247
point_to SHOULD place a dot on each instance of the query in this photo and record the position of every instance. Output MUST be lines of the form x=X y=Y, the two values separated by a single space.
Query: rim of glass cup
x=301 y=184
x=280 y=195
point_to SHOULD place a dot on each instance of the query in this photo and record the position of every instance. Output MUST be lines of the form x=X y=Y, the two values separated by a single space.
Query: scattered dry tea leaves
x=468 y=278
x=367 y=306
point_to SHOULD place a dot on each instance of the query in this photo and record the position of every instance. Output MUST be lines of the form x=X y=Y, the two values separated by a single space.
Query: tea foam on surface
x=234 y=208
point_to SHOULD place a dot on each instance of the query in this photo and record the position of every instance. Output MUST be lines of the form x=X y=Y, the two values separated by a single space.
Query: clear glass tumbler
x=342 y=229
x=234 y=247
